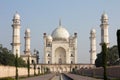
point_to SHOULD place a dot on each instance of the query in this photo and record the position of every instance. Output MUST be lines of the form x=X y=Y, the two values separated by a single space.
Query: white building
x=60 y=47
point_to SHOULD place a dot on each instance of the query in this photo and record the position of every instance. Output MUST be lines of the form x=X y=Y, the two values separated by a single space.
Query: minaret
x=92 y=46
x=16 y=34
x=104 y=29
x=45 y=42
x=27 y=42
x=75 y=47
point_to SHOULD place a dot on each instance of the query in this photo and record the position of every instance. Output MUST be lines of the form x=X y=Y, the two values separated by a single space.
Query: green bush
x=8 y=78
x=8 y=58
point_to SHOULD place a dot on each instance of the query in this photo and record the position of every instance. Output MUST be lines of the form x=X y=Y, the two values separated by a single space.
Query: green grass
x=7 y=78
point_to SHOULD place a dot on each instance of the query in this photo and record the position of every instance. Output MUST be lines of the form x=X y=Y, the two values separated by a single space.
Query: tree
x=34 y=69
x=28 y=66
x=38 y=70
x=16 y=66
x=37 y=57
x=112 y=57
x=47 y=70
x=98 y=61
x=104 y=60
x=36 y=52
x=118 y=41
x=7 y=58
x=21 y=62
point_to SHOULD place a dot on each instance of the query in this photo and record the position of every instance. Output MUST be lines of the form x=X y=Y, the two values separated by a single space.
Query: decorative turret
x=92 y=46
x=16 y=34
x=104 y=29
x=27 y=42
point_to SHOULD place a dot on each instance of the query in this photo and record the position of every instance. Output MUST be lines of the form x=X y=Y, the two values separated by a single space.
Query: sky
x=43 y=16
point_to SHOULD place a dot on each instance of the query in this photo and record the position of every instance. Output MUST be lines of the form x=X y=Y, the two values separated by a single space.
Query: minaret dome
x=27 y=30
x=93 y=31
x=16 y=16
x=104 y=16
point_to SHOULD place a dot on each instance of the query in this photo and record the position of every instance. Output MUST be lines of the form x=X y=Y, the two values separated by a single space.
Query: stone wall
x=113 y=72
x=9 y=71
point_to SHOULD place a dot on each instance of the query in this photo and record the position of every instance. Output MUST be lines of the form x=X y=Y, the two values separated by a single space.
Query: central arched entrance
x=60 y=56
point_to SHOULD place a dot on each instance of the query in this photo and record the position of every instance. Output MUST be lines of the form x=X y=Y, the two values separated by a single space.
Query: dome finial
x=104 y=12
x=60 y=22
x=16 y=12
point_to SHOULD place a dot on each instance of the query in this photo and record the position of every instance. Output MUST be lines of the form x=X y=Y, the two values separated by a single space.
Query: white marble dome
x=16 y=16
x=60 y=33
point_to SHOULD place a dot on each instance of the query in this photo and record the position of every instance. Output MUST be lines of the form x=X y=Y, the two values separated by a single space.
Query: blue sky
x=43 y=16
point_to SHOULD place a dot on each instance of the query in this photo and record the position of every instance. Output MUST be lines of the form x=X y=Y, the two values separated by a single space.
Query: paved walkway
x=78 y=77
x=57 y=77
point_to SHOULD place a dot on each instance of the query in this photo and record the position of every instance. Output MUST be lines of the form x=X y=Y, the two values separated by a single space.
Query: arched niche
x=60 y=55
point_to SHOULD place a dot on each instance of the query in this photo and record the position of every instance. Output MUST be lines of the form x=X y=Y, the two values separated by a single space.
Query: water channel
x=60 y=77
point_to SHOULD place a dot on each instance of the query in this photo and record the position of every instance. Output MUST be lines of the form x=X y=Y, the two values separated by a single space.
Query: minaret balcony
x=15 y=44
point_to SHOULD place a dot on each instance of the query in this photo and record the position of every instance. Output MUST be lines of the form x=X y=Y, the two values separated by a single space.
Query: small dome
x=49 y=38
x=27 y=30
x=16 y=16
x=60 y=33
x=104 y=16
x=93 y=31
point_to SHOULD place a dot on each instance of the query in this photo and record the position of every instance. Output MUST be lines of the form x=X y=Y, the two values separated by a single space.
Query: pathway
x=52 y=76
x=42 y=77
x=79 y=77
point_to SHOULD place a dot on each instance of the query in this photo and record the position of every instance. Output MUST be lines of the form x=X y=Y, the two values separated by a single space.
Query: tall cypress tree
x=34 y=69
x=28 y=66
x=16 y=65
x=104 y=59
x=118 y=41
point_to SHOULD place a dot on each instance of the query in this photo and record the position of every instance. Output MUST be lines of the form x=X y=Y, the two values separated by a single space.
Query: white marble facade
x=60 y=47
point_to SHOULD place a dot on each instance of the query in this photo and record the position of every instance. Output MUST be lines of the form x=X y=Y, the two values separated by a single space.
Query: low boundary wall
x=112 y=72
x=9 y=71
